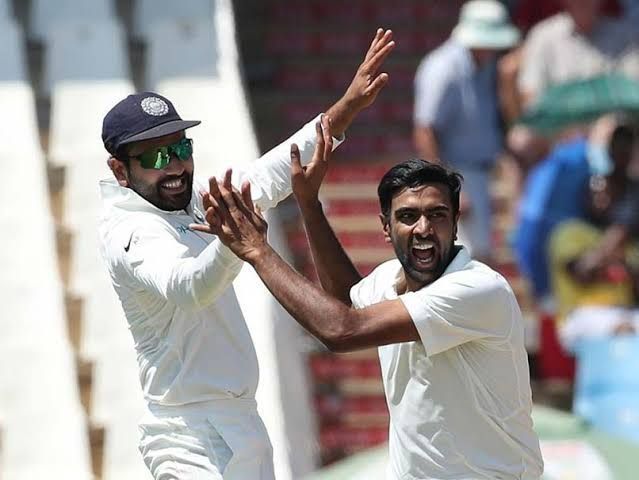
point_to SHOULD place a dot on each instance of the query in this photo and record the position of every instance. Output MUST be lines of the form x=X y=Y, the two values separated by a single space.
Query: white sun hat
x=485 y=24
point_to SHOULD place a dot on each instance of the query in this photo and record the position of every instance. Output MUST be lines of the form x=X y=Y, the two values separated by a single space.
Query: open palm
x=306 y=181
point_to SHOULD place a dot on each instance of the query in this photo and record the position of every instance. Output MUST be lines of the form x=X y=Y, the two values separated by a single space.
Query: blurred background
x=562 y=216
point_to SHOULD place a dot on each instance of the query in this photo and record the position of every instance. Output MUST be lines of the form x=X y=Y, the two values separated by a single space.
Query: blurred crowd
x=550 y=89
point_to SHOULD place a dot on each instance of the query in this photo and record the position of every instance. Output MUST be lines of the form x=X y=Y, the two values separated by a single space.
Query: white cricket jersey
x=175 y=285
x=459 y=399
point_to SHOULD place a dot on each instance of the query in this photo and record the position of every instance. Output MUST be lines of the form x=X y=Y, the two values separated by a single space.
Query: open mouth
x=424 y=254
x=174 y=185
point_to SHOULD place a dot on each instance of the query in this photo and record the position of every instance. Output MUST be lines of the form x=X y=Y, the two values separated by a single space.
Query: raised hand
x=366 y=84
x=306 y=181
x=232 y=216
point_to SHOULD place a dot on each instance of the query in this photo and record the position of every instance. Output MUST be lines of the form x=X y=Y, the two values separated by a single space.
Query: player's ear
x=120 y=171
x=455 y=226
x=386 y=227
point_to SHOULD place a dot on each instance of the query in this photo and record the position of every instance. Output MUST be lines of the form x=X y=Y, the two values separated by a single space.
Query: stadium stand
x=79 y=61
x=39 y=395
x=182 y=50
x=6 y=11
x=12 y=67
x=45 y=15
x=195 y=63
x=296 y=64
x=85 y=72
x=146 y=13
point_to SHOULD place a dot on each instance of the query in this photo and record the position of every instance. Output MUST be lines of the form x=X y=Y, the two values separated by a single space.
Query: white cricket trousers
x=214 y=440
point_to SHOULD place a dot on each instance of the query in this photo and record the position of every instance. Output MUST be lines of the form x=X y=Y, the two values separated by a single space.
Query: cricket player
x=198 y=367
x=448 y=328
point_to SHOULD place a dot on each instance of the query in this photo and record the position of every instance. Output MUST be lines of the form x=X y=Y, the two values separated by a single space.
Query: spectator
x=597 y=322
x=600 y=44
x=557 y=190
x=584 y=31
x=457 y=117
x=591 y=260
x=527 y=13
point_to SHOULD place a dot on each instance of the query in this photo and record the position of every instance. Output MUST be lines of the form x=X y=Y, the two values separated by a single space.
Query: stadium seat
x=18 y=125
x=118 y=405
x=77 y=110
x=13 y=65
x=87 y=73
x=39 y=395
x=45 y=428
x=46 y=15
x=605 y=366
x=185 y=50
x=6 y=12
x=147 y=14
x=85 y=50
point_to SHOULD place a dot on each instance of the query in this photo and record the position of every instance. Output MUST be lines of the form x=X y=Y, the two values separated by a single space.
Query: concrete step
x=74 y=307
x=85 y=381
x=97 y=435
x=56 y=178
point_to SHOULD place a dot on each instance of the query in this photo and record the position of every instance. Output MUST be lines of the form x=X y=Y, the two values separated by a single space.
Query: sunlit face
x=168 y=189
x=422 y=229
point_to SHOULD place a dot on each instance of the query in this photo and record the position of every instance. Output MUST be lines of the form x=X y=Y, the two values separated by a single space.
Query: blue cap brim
x=161 y=130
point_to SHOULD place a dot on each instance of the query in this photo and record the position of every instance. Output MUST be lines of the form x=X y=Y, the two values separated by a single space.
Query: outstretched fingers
x=380 y=42
x=371 y=49
x=375 y=87
x=246 y=196
x=373 y=63
x=213 y=220
x=225 y=190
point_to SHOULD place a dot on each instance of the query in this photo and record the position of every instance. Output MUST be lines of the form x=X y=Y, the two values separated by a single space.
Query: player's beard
x=162 y=197
x=421 y=276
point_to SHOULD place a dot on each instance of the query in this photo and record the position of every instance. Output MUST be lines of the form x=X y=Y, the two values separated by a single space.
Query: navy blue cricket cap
x=141 y=116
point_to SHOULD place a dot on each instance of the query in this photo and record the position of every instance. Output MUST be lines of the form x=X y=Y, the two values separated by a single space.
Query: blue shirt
x=556 y=190
x=459 y=102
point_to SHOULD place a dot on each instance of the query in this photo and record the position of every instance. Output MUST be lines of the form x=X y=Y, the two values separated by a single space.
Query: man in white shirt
x=198 y=366
x=448 y=328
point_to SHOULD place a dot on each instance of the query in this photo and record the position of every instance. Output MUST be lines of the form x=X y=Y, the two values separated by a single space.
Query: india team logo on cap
x=154 y=106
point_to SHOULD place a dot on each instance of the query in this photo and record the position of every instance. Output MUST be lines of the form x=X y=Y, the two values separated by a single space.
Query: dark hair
x=623 y=136
x=413 y=173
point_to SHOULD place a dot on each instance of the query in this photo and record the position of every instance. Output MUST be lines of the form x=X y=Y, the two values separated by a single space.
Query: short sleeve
x=358 y=294
x=461 y=307
x=433 y=93
x=374 y=287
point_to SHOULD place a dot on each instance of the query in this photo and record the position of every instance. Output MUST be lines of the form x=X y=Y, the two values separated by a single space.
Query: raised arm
x=153 y=258
x=336 y=272
x=365 y=86
x=341 y=328
x=270 y=175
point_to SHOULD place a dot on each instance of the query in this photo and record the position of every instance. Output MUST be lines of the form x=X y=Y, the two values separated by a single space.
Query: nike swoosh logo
x=128 y=245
